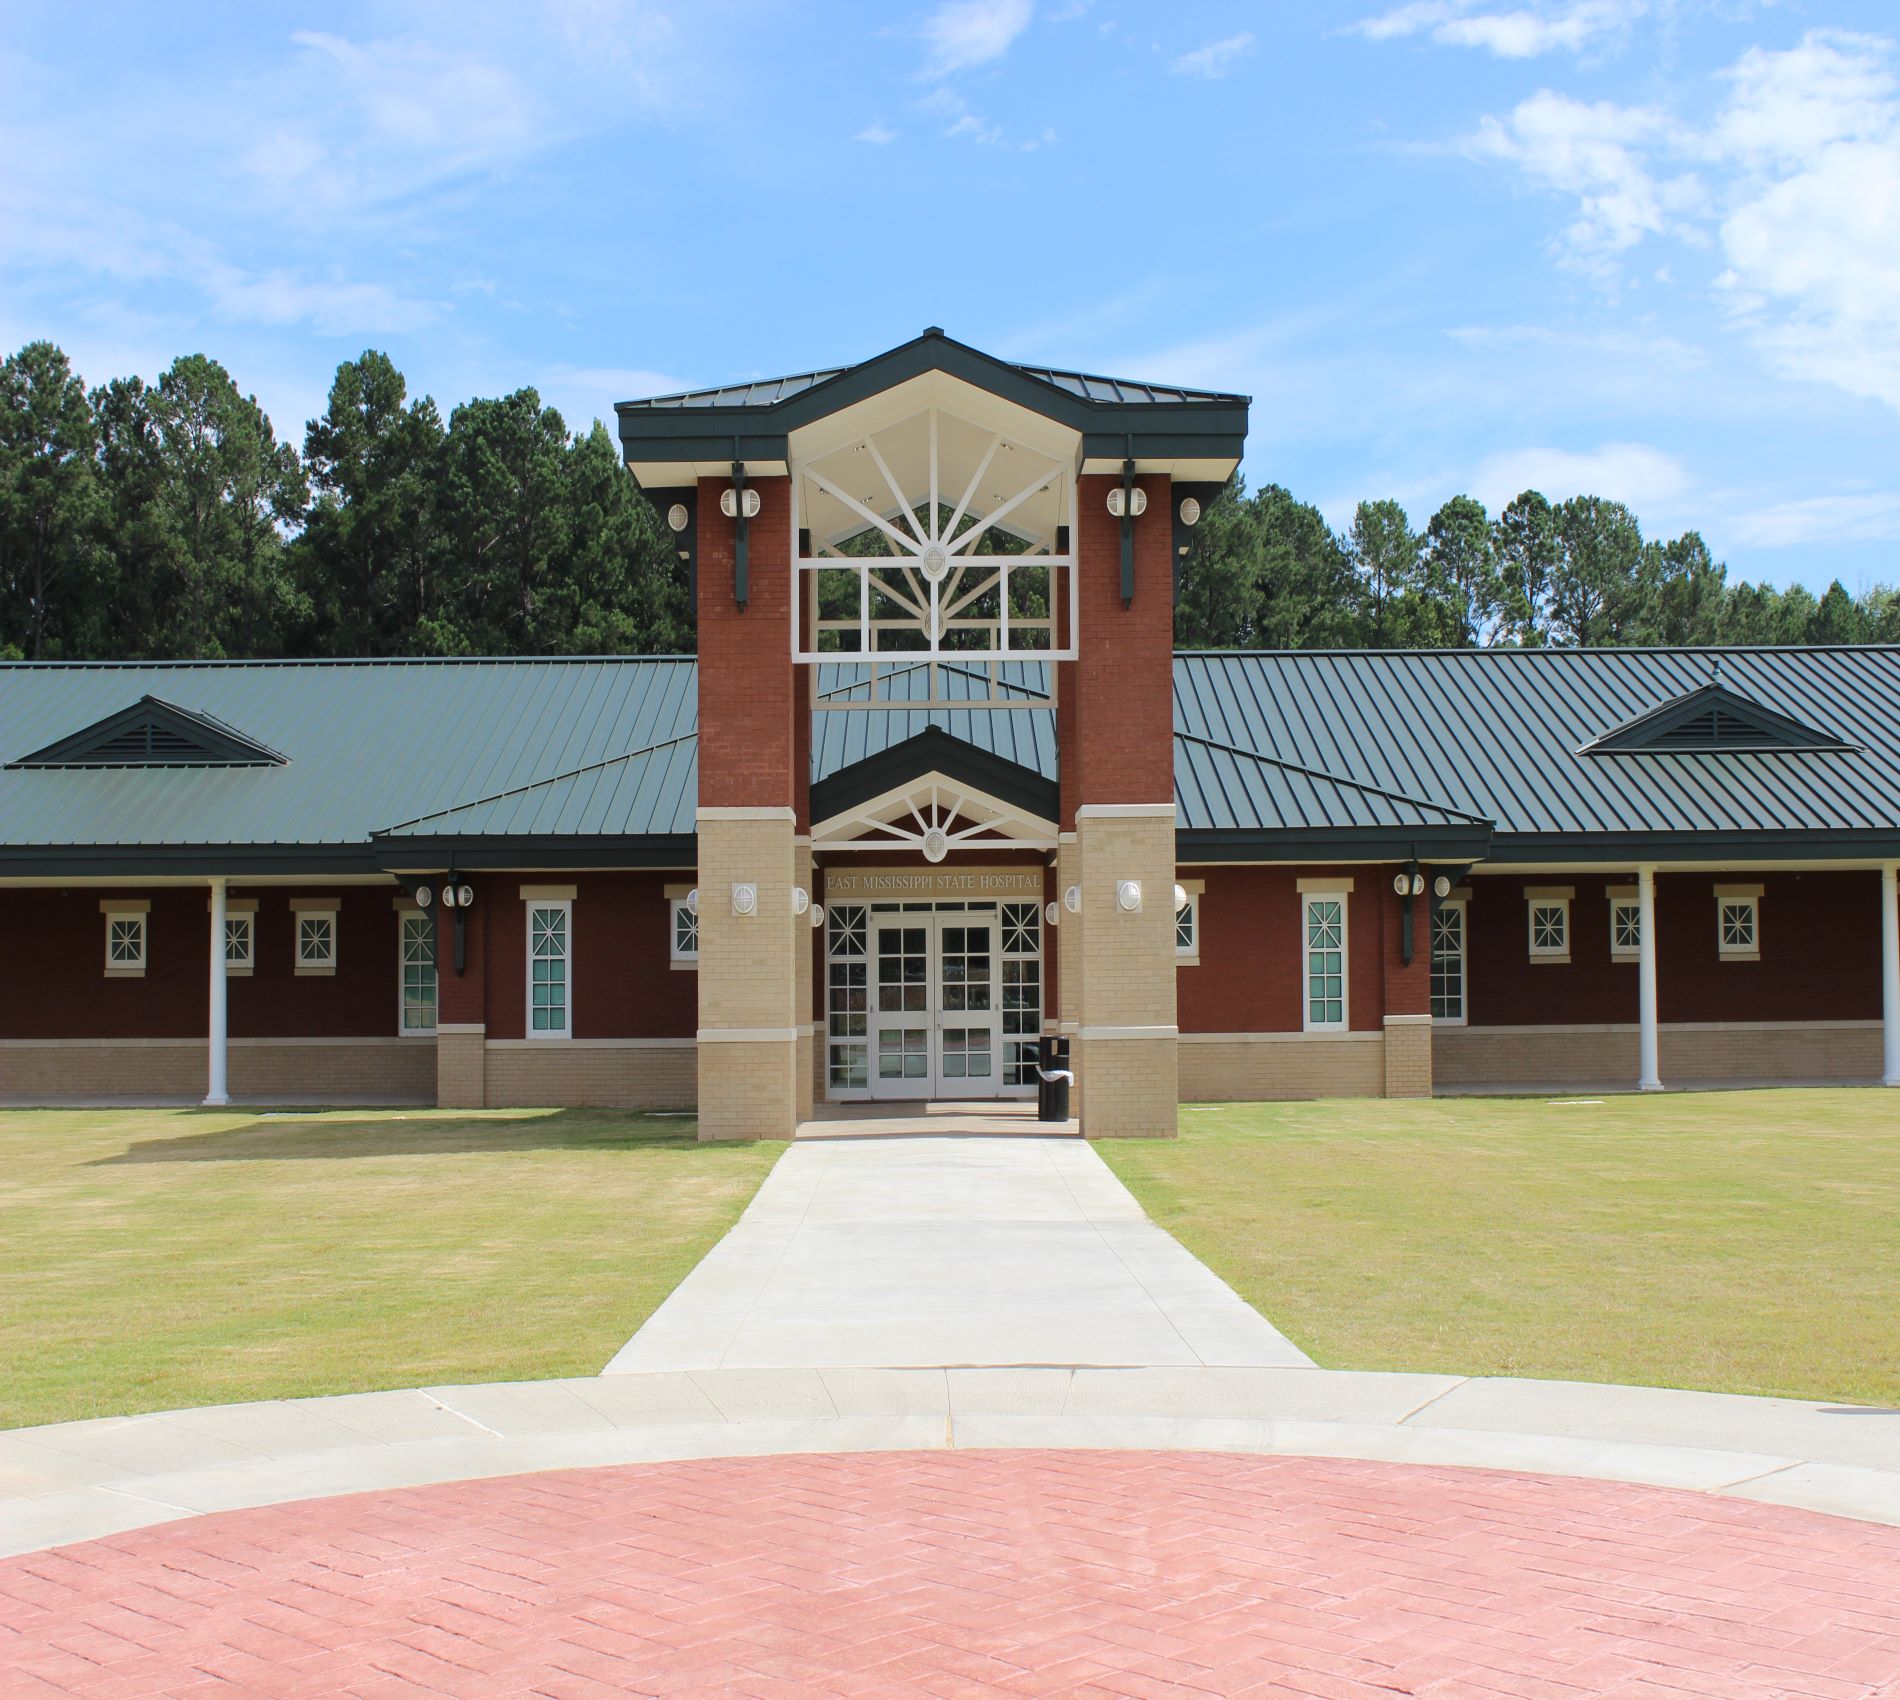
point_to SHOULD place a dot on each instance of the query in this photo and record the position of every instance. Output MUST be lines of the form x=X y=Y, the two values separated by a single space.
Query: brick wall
x=396 y=1070
x=591 y=1074
x=1222 y=1068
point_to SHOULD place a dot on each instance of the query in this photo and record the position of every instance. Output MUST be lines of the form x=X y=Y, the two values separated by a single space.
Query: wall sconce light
x=1127 y=504
x=1190 y=511
x=801 y=900
x=1072 y=900
x=677 y=516
x=1052 y=912
x=425 y=895
x=1128 y=895
x=458 y=896
x=745 y=899
x=735 y=503
x=1180 y=898
x=1409 y=885
x=692 y=901
x=1441 y=887
x=817 y=915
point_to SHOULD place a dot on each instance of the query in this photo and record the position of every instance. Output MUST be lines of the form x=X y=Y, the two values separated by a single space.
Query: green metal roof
x=1280 y=756
x=1501 y=735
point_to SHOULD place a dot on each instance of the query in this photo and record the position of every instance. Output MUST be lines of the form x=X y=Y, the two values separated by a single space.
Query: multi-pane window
x=1448 y=962
x=1187 y=938
x=1325 y=961
x=1626 y=929
x=125 y=942
x=549 y=984
x=418 y=973
x=685 y=932
x=1738 y=928
x=240 y=935
x=847 y=1016
x=1550 y=928
x=316 y=941
x=1022 y=992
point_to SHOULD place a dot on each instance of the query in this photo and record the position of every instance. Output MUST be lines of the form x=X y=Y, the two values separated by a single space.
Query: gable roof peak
x=1713 y=719
x=154 y=733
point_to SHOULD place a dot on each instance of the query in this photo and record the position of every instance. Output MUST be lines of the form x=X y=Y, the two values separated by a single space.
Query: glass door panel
x=901 y=1027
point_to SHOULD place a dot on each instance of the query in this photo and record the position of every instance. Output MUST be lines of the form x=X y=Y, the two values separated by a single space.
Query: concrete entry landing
x=934 y=1118
x=924 y=1252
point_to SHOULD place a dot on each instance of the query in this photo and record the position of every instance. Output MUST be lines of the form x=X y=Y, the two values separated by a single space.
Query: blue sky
x=1648 y=248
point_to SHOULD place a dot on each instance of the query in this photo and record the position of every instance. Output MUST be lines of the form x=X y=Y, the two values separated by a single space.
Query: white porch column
x=1648 y=1077
x=1890 y=970
x=217 y=1093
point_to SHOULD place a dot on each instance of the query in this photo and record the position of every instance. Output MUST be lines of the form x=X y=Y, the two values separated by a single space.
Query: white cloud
x=1635 y=474
x=1796 y=178
x=1216 y=59
x=1518 y=33
x=877 y=133
x=1873 y=516
x=966 y=33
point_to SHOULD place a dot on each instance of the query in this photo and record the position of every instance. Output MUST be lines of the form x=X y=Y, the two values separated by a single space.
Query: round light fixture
x=1180 y=898
x=934 y=562
x=1128 y=895
x=1072 y=900
x=817 y=914
x=448 y=897
x=1441 y=887
x=1051 y=912
x=1418 y=885
x=732 y=506
x=1138 y=502
x=1402 y=883
x=936 y=844
x=745 y=899
x=425 y=895
x=1190 y=511
x=1122 y=501
x=692 y=901
x=677 y=516
x=801 y=900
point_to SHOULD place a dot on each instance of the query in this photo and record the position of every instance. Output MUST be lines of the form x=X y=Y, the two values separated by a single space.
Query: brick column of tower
x=1116 y=738
x=751 y=789
x=461 y=1030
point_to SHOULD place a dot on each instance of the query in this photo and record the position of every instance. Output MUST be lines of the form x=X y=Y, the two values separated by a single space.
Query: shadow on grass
x=293 y=1137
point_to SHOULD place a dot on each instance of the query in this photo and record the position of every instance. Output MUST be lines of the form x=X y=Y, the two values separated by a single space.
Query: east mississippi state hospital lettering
x=916 y=883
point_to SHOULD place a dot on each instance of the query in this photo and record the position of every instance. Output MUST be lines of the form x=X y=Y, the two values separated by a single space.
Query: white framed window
x=847 y=997
x=682 y=934
x=416 y=991
x=1324 y=933
x=1448 y=961
x=1187 y=926
x=1626 y=924
x=550 y=969
x=315 y=946
x=1548 y=917
x=1738 y=923
x=240 y=943
x=125 y=939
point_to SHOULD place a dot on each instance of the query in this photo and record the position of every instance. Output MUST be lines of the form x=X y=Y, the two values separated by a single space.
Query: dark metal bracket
x=1128 y=533
x=741 y=566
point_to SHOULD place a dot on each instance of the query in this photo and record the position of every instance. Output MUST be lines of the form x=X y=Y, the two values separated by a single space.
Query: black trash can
x=1053 y=1078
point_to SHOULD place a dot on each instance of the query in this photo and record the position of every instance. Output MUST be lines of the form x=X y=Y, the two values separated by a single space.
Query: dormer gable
x=1713 y=720
x=153 y=733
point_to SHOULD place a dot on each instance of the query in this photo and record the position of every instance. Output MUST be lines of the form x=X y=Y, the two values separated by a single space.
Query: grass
x=151 y=1259
x=1746 y=1242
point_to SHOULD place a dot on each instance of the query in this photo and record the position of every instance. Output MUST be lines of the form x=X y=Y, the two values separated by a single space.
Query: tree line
x=169 y=521
x=1266 y=571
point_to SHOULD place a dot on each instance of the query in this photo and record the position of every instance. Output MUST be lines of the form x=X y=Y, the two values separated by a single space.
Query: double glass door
x=935 y=1006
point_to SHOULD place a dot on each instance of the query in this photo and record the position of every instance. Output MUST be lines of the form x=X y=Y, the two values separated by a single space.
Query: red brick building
x=935 y=786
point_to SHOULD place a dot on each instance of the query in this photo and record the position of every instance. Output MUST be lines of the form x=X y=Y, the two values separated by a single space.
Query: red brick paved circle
x=972 y=1573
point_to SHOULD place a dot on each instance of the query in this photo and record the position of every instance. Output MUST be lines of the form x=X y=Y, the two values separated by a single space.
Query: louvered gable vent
x=1712 y=720
x=154 y=733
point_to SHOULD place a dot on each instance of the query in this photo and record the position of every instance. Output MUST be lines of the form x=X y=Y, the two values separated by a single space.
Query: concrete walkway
x=885 y=1253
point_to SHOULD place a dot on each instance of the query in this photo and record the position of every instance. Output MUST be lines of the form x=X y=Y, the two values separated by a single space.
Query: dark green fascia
x=934 y=750
x=148 y=861
x=1620 y=849
x=1204 y=429
x=1335 y=844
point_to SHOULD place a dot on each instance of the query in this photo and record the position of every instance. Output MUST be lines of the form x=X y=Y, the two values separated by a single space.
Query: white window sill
x=690 y=965
x=1626 y=956
x=304 y=973
x=236 y=971
x=125 y=973
x=1184 y=959
x=1739 y=956
x=1550 y=959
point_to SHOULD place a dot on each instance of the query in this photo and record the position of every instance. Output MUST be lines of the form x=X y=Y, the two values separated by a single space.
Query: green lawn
x=159 y=1258
x=1742 y=1241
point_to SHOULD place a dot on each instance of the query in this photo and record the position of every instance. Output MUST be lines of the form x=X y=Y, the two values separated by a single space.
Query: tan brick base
x=1254 y=1067
x=1408 y=1056
x=1688 y=1053
x=459 y=1070
x=747 y=1089
x=399 y=1070
x=1133 y=1091
x=590 y=1074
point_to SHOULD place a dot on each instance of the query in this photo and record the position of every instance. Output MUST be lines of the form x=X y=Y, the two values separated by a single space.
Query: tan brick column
x=460 y=1065
x=748 y=973
x=461 y=1033
x=1066 y=941
x=801 y=978
x=1127 y=1053
x=1408 y=1056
